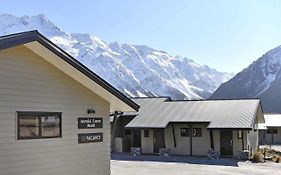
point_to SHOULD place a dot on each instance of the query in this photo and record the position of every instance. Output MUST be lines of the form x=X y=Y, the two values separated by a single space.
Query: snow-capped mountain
x=135 y=70
x=262 y=79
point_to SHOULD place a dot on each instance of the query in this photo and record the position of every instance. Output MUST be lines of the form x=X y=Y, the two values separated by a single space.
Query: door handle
x=231 y=142
x=154 y=140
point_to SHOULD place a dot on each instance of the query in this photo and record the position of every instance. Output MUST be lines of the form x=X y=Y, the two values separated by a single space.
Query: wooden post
x=113 y=130
x=242 y=132
x=173 y=128
x=264 y=153
x=190 y=138
x=212 y=139
x=272 y=139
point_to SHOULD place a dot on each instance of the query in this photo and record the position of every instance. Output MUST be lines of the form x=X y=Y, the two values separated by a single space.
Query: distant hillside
x=262 y=79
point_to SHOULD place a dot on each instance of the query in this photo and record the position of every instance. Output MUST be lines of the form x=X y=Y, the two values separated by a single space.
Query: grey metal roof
x=271 y=120
x=158 y=112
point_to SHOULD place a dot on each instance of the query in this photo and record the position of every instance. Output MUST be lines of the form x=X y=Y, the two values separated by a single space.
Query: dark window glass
x=185 y=132
x=29 y=126
x=197 y=132
x=271 y=131
x=50 y=126
x=128 y=132
x=239 y=134
x=34 y=125
x=146 y=133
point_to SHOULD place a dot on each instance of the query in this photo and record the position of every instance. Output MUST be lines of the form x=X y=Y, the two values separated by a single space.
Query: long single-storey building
x=270 y=131
x=54 y=112
x=191 y=127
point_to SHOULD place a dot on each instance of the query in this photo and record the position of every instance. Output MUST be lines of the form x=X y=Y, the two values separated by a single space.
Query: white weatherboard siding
x=272 y=121
x=217 y=142
x=276 y=137
x=29 y=83
x=200 y=145
x=147 y=142
x=183 y=143
x=237 y=143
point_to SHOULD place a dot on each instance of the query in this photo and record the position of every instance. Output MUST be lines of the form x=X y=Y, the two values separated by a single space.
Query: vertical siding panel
x=29 y=83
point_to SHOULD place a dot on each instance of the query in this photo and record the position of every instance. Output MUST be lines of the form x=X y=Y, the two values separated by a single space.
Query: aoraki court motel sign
x=90 y=123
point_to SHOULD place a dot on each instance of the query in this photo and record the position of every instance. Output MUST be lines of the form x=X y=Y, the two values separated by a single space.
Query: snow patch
x=136 y=70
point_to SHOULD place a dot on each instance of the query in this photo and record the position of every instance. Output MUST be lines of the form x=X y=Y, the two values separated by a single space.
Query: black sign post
x=89 y=123
x=90 y=137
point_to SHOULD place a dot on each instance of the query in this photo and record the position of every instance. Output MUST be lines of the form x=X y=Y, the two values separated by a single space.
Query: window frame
x=38 y=115
x=193 y=132
x=271 y=131
x=146 y=133
x=187 y=133
x=127 y=132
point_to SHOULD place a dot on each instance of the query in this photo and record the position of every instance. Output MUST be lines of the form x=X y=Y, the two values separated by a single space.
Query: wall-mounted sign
x=88 y=123
x=90 y=137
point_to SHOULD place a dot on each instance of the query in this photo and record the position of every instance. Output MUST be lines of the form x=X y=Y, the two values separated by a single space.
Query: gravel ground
x=120 y=167
x=125 y=164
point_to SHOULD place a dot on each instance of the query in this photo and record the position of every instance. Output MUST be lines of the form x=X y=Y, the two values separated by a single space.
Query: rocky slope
x=262 y=79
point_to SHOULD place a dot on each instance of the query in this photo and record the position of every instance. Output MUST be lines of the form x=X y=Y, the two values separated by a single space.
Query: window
x=28 y=126
x=127 y=132
x=197 y=132
x=50 y=126
x=146 y=133
x=239 y=134
x=272 y=131
x=184 y=132
x=35 y=125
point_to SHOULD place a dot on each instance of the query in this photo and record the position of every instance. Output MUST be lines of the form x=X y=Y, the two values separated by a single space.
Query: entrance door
x=158 y=140
x=137 y=138
x=226 y=142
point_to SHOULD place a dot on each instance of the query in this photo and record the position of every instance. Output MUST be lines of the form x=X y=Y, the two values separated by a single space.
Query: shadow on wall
x=179 y=159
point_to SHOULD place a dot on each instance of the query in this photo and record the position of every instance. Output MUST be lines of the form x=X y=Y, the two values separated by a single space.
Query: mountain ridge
x=135 y=70
x=261 y=79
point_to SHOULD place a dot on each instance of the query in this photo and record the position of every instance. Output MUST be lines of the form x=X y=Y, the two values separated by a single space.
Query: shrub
x=257 y=157
x=275 y=159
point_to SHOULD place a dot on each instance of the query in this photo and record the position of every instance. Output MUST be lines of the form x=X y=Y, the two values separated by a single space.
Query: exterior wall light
x=91 y=111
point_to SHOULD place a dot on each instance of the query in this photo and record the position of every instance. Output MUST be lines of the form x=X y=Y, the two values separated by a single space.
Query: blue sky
x=224 y=34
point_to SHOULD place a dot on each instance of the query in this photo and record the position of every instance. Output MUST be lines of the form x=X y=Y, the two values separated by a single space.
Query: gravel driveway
x=119 y=167
x=124 y=164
